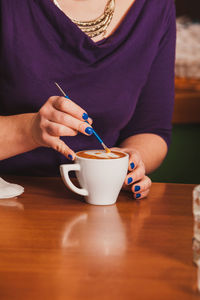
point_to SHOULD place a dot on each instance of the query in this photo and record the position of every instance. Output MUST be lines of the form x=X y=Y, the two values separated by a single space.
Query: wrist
x=15 y=135
x=26 y=131
x=32 y=129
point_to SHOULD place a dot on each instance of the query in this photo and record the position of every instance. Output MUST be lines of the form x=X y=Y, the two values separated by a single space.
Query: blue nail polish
x=85 y=116
x=89 y=130
x=132 y=165
x=130 y=180
x=70 y=156
x=137 y=196
x=137 y=188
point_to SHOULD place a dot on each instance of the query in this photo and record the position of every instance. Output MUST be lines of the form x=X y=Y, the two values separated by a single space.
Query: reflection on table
x=59 y=247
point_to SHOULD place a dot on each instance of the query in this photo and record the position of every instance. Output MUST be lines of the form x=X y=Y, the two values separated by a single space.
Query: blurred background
x=182 y=164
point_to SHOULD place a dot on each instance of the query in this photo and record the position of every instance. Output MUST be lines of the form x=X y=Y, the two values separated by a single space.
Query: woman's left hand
x=136 y=180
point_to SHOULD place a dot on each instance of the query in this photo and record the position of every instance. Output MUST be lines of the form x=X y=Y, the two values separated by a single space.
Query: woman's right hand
x=59 y=117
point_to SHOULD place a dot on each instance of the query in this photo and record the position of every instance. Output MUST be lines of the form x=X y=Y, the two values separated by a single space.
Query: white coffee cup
x=101 y=179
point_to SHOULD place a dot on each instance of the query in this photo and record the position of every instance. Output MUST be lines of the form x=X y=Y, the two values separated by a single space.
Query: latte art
x=100 y=154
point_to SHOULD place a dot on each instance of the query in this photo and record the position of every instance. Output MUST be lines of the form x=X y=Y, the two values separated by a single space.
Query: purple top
x=125 y=82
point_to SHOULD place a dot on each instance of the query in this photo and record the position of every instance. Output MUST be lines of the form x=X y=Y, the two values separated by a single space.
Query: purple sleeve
x=153 y=113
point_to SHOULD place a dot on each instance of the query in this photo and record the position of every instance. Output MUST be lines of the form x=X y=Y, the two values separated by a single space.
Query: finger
x=58 y=145
x=142 y=185
x=134 y=160
x=90 y=121
x=134 y=157
x=69 y=107
x=58 y=130
x=136 y=175
x=141 y=195
x=67 y=120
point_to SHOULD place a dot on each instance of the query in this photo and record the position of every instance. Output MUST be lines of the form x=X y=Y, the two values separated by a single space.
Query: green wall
x=182 y=164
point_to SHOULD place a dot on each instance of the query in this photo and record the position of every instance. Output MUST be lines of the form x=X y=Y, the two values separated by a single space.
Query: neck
x=85 y=10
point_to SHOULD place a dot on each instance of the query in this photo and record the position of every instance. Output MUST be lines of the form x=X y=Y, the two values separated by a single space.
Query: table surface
x=55 y=246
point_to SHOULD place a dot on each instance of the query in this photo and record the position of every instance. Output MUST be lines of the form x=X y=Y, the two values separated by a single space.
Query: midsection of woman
x=124 y=82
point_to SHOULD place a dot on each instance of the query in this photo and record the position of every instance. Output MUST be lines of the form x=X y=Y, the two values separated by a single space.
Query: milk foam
x=102 y=154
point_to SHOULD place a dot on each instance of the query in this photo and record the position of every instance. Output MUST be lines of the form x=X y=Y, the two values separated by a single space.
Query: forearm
x=15 y=135
x=151 y=147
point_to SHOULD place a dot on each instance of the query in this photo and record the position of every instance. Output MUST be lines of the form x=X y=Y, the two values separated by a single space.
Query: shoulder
x=8 y=5
x=13 y=5
x=165 y=8
x=160 y=13
x=159 y=7
x=162 y=4
x=12 y=8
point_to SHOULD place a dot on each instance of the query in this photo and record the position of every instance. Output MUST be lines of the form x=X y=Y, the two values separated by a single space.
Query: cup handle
x=64 y=170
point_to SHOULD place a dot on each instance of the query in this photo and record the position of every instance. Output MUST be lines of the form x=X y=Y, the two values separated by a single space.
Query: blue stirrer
x=94 y=132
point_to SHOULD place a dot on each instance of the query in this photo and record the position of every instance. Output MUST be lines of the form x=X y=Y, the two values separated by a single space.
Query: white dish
x=9 y=190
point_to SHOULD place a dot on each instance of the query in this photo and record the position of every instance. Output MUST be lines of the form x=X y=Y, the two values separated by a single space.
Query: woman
x=118 y=69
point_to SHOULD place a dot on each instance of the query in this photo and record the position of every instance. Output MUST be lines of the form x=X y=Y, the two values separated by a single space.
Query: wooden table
x=55 y=246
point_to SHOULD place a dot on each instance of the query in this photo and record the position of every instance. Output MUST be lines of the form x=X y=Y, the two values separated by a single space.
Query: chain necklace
x=97 y=26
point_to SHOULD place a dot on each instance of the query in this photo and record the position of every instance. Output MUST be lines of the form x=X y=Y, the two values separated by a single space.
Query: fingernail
x=130 y=180
x=85 y=116
x=70 y=157
x=132 y=165
x=89 y=130
x=137 y=188
x=137 y=196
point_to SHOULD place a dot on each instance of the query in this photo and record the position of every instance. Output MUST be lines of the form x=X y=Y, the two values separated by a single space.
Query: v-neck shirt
x=125 y=82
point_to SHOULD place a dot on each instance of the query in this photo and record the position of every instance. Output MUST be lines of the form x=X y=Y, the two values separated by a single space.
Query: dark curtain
x=189 y=8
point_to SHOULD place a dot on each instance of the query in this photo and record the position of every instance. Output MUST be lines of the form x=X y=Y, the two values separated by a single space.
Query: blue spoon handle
x=97 y=136
x=94 y=132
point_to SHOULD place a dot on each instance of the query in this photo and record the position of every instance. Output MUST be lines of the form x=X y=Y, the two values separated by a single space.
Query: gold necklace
x=99 y=25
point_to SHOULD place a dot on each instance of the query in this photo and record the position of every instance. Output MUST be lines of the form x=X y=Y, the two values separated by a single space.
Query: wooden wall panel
x=187 y=101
